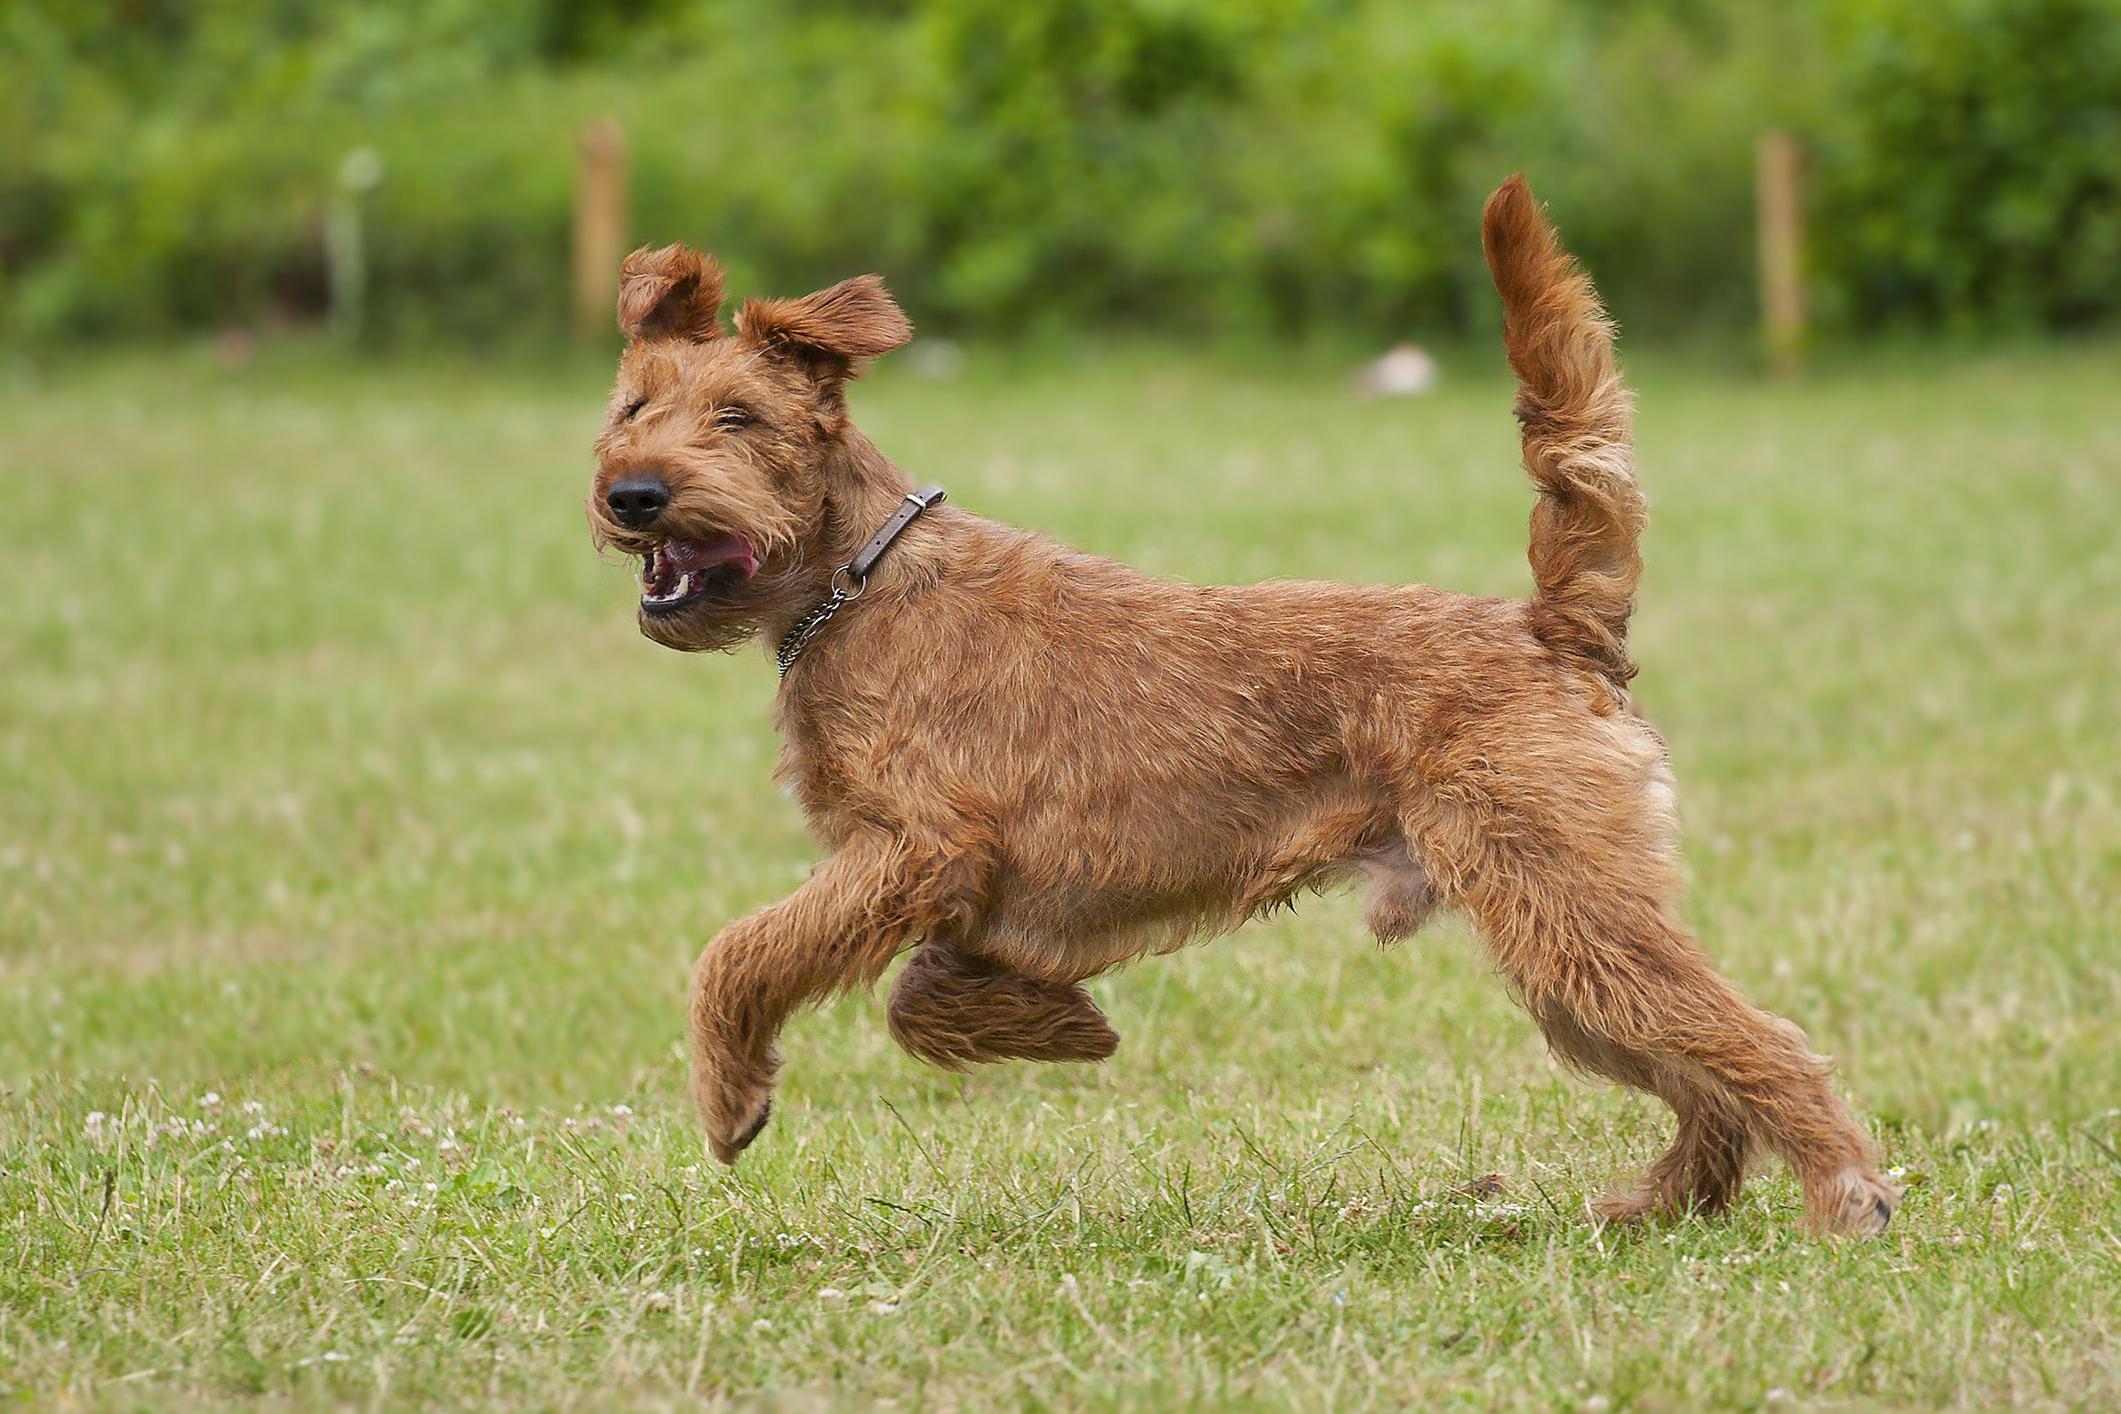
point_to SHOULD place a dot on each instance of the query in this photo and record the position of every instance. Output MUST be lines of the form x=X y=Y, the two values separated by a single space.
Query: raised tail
x=1578 y=443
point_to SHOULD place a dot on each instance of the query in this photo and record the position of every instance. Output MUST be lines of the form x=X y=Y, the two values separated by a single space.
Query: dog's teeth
x=677 y=592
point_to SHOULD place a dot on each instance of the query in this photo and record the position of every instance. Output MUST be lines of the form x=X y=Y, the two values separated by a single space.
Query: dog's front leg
x=953 y=1008
x=839 y=930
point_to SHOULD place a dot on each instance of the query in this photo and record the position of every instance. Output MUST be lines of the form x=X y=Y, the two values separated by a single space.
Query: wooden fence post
x=599 y=225
x=345 y=252
x=1779 y=193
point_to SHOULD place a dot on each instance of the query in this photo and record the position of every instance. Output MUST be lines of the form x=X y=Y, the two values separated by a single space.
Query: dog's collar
x=850 y=579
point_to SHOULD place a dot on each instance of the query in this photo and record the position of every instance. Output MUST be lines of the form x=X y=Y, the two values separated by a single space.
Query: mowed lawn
x=354 y=849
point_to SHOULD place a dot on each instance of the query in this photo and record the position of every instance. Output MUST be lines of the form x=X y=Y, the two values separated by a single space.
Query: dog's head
x=712 y=464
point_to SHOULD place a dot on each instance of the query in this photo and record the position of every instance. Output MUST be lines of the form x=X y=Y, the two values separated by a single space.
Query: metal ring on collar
x=860 y=582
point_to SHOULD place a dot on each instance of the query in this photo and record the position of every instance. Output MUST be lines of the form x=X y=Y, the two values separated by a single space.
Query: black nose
x=636 y=501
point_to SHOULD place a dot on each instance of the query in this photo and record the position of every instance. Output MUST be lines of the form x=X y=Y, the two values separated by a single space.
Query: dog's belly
x=1068 y=912
x=1067 y=933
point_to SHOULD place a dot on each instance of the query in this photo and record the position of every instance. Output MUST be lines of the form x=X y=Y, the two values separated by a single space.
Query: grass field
x=354 y=849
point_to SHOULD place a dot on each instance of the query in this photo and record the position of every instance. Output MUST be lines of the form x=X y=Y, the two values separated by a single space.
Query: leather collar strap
x=850 y=579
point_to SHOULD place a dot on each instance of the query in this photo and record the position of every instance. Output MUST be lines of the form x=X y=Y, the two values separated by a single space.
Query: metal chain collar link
x=850 y=579
x=812 y=624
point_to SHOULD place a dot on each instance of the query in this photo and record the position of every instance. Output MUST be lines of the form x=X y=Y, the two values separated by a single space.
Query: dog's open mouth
x=680 y=572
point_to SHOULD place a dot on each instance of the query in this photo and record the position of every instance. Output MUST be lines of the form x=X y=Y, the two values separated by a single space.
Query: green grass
x=354 y=848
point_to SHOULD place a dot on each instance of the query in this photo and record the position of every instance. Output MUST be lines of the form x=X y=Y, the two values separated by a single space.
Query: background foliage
x=1271 y=165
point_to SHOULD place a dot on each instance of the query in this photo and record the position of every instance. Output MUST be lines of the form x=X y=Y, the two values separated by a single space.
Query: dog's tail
x=1578 y=445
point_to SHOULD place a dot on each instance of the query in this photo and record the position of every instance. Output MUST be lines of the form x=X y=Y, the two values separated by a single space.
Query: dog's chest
x=823 y=781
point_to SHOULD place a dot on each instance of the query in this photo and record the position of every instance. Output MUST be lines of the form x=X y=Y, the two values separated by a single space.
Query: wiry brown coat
x=1031 y=764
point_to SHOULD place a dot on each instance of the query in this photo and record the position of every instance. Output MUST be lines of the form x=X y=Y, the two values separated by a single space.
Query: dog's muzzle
x=677 y=572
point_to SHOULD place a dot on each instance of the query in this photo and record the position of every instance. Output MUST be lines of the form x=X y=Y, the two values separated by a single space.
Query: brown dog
x=1030 y=765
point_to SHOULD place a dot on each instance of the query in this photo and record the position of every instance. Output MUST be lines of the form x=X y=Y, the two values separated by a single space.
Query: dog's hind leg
x=1552 y=828
x=1707 y=1163
x=954 y=1008
x=1620 y=988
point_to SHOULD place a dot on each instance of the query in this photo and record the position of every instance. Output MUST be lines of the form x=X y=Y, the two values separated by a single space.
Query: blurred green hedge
x=1014 y=165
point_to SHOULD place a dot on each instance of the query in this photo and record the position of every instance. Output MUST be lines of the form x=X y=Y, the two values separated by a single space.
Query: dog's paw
x=1855 y=1202
x=1623 y=1206
x=734 y=1100
x=1064 y=1024
x=727 y=1148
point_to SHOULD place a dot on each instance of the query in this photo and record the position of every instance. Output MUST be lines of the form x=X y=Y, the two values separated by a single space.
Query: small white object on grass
x=1402 y=371
x=938 y=359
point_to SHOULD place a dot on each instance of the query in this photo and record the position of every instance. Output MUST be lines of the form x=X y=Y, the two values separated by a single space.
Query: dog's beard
x=703 y=597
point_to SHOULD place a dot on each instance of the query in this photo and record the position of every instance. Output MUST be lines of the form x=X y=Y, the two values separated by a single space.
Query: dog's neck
x=862 y=489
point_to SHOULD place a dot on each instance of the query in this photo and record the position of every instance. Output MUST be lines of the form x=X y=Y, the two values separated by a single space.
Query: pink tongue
x=690 y=555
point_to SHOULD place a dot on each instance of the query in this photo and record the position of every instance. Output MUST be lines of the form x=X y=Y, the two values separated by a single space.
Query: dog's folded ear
x=671 y=292
x=828 y=331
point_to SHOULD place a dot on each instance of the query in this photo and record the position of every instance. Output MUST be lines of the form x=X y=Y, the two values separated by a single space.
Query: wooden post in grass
x=345 y=252
x=1779 y=192
x=599 y=225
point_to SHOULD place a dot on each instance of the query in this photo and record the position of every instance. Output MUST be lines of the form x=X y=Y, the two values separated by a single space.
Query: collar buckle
x=850 y=580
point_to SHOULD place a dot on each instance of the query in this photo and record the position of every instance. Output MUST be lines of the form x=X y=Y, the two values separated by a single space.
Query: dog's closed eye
x=734 y=419
x=633 y=409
